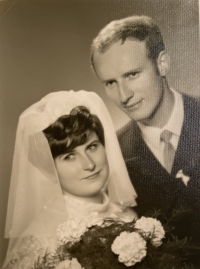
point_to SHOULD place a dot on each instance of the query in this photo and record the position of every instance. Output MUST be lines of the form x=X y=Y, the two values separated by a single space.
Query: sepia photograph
x=99 y=134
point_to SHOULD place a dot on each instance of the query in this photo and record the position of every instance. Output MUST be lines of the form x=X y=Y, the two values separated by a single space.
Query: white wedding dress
x=35 y=242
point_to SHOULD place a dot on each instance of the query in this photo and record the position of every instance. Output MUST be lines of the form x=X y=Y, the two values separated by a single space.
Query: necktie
x=169 y=151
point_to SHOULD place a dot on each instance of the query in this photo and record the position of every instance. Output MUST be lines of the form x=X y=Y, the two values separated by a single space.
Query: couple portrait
x=102 y=140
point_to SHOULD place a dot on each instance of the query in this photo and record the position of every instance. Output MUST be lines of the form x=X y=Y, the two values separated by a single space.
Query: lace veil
x=35 y=190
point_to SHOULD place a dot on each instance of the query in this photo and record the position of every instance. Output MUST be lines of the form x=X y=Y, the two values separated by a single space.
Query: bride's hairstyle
x=70 y=131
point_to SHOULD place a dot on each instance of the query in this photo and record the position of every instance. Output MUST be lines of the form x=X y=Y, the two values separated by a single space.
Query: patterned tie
x=169 y=151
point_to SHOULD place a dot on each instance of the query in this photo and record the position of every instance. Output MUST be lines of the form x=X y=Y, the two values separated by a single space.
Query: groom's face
x=130 y=78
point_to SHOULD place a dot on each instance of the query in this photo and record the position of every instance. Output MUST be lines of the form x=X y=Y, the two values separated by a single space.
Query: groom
x=161 y=143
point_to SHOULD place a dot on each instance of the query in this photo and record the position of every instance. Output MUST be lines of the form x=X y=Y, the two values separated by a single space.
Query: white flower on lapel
x=184 y=178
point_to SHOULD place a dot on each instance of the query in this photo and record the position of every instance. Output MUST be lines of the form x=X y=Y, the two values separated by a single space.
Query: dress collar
x=78 y=208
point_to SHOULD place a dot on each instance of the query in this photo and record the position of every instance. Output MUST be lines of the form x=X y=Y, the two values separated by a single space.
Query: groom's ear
x=163 y=63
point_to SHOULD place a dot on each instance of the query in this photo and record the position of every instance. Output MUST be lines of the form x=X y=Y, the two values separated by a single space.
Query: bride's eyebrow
x=93 y=141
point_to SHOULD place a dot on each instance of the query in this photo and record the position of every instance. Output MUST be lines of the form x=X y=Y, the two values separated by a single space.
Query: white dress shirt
x=151 y=135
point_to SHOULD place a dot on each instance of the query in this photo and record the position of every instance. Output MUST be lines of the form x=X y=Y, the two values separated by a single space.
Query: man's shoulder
x=128 y=135
x=191 y=107
x=127 y=130
x=191 y=102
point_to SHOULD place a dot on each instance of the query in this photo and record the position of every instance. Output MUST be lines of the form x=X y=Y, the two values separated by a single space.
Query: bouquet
x=95 y=243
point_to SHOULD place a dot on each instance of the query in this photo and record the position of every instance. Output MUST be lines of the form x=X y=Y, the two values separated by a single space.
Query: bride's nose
x=87 y=162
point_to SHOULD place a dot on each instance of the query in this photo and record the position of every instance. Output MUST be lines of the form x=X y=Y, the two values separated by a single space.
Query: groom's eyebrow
x=132 y=71
x=124 y=75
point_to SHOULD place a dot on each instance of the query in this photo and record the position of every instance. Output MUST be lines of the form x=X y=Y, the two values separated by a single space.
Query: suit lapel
x=187 y=154
x=143 y=159
x=148 y=175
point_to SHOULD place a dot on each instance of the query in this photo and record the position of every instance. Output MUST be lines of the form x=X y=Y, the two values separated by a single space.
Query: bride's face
x=83 y=171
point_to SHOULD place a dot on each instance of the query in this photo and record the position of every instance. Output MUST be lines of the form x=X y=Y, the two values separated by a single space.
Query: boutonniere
x=184 y=178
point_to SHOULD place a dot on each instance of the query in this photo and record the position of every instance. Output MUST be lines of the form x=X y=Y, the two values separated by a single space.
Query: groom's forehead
x=120 y=57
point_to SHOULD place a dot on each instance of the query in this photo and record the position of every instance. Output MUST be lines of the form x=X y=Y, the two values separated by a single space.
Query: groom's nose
x=125 y=93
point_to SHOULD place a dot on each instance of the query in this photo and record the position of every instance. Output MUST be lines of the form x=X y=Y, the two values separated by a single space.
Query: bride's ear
x=163 y=63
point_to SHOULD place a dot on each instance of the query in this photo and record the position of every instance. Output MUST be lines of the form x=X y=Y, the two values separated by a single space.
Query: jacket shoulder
x=128 y=137
x=191 y=110
x=191 y=102
x=126 y=131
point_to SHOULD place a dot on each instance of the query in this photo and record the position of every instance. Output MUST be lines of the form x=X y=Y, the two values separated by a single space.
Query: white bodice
x=79 y=208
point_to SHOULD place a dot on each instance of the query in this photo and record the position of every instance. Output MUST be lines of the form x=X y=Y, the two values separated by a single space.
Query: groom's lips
x=134 y=105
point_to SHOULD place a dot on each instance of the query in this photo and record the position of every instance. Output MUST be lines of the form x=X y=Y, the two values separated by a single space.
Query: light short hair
x=141 y=28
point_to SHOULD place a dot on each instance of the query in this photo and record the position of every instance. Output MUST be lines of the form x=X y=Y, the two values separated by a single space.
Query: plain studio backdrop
x=45 y=45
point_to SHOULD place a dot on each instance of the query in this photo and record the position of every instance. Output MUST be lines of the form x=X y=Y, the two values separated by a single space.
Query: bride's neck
x=96 y=199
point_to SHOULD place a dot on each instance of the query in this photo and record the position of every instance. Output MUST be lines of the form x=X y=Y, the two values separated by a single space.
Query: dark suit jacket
x=155 y=187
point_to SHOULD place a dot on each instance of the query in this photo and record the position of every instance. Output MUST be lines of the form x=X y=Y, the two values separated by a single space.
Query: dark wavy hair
x=70 y=131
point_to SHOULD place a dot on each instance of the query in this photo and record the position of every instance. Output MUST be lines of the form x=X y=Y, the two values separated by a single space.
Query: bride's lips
x=92 y=176
x=135 y=105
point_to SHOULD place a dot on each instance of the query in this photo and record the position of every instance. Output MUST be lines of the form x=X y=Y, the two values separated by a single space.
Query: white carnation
x=69 y=264
x=75 y=264
x=93 y=220
x=63 y=265
x=74 y=228
x=71 y=230
x=130 y=247
x=151 y=228
x=158 y=235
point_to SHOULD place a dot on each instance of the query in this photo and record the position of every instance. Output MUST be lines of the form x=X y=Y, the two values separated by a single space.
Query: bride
x=66 y=160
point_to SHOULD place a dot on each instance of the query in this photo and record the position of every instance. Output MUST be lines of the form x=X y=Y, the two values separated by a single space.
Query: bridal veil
x=35 y=190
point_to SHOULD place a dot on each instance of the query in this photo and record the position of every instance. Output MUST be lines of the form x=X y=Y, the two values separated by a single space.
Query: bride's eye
x=70 y=156
x=93 y=146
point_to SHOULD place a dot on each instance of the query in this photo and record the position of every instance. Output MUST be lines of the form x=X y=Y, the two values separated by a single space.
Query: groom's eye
x=110 y=83
x=132 y=74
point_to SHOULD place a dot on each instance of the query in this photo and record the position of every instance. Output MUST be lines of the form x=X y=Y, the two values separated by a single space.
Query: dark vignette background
x=44 y=47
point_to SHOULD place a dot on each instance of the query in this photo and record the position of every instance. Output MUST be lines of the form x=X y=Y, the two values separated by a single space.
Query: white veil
x=35 y=189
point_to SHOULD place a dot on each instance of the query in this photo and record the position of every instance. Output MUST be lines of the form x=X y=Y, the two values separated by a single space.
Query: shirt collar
x=150 y=134
x=175 y=121
x=174 y=124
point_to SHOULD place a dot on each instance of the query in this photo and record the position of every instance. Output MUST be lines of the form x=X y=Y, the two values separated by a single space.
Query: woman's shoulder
x=26 y=251
x=34 y=242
